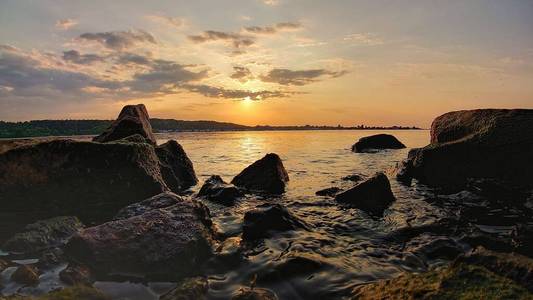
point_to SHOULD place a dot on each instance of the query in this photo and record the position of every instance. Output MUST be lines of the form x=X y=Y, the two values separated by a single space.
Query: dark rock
x=89 y=180
x=75 y=274
x=50 y=258
x=164 y=243
x=4 y=264
x=432 y=247
x=216 y=190
x=291 y=267
x=376 y=142
x=176 y=167
x=265 y=175
x=136 y=138
x=354 y=177
x=267 y=218
x=330 y=192
x=26 y=275
x=484 y=143
x=194 y=288
x=373 y=195
x=162 y=200
x=43 y=234
x=255 y=294
x=133 y=119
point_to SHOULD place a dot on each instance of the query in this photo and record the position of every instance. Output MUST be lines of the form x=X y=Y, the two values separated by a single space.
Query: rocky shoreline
x=121 y=207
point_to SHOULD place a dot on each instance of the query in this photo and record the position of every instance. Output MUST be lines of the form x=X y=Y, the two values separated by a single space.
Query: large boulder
x=161 y=244
x=377 y=142
x=268 y=218
x=266 y=175
x=373 y=195
x=43 y=234
x=217 y=190
x=484 y=143
x=162 y=200
x=89 y=180
x=133 y=119
x=177 y=169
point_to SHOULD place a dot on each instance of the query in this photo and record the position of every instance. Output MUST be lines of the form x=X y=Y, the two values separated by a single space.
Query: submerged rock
x=291 y=267
x=330 y=192
x=216 y=190
x=163 y=243
x=89 y=180
x=483 y=143
x=76 y=274
x=254 y=294
x=377 y=142
x=4 y=264
x=133 y=119
x=353 y=177
x=194 y=288
x=79 y=292
x=267 y=218
x=43 y=234
x=176 y=167
x=373 y=195
x=265 y=175
x=162 y=200
x=26 y=275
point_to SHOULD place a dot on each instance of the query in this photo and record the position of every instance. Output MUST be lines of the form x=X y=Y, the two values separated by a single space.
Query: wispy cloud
x=170 y=21
x=119 y=40
x=65 y=24
x=235 y=39
x=366 y=39
x=299 y=77
x=242 y=74
x=271 y=2
x=285 y=26
x=82 y=59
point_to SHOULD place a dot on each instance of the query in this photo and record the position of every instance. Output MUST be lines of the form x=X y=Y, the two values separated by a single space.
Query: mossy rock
x=461 y=282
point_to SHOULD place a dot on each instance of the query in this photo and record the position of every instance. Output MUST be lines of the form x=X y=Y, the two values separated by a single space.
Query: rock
x=354 y=177
x=483 y=143
x=291 y=267
x=162 y=200
x=79 y=292
x=265 y=175
x=4 y=264
x=254 y=294
x=377 y=142
x=75 y=274
x=89 y=180
x=43 y=234
x=430 y=247
x=164 y=243
x=267 y=218
x=330 y=192
x=177 y=169
x=133 y=119
x=373 y=195
x=194 y=288
x=216 y=190
x=26 y=275
x=50 y=258
x=136 y=138
x=460 y=281
x=231 y=247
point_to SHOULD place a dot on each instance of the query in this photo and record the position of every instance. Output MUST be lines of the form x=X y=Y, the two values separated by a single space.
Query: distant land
x=91 y=127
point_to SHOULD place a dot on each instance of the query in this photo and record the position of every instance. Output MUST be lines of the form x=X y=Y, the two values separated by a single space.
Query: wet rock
x=291 y=267
x=133 y=119
x=353 y=177
x=373 y=195
x=50 y=258
x=497 y=190
x=484 y=143
x=164 y=243
x=79 y=292
x=216 y=190
x=267 y=218
x=76 y=274
x=330 y=192
x=194 y=288
x=4 y=264
x=136 y=138
x=89 y=180
x=432 y=247
x=265 y=175
x=162 y=200
x=230 y=247
x=176 y=167
x=43 y=234
x=26 y=275
x=459 y=281
x=254 y=294
x=377 y=142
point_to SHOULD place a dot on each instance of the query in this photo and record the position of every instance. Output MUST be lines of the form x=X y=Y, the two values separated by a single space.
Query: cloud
x=299 y=77
x=284 y=26
x=65 y=24
x=132 y=58
x=119 y=40
x=218 y=92
x=74 y=56
x=366 y=39
x=171 y=21
x=271 y=2
x=242 y=74
x=235 y=39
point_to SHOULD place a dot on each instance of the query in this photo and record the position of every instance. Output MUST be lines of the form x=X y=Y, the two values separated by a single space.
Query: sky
x=277 y=62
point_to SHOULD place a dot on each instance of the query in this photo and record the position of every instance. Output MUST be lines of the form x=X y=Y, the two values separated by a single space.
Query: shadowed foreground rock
x=267 y=218
x=265 y=175
x=89 y=180
x=133 y=119
x=484 y=143
x=373 y=195
x=377 y=142
x=43 y=234
x=255 y=294
x=163 y=243
x=162 y=200
x=194 y=288
x=216 y=190
x=176 y=167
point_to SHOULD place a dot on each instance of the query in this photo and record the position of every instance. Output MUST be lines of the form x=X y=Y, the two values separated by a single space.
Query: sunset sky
x=278 y=62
